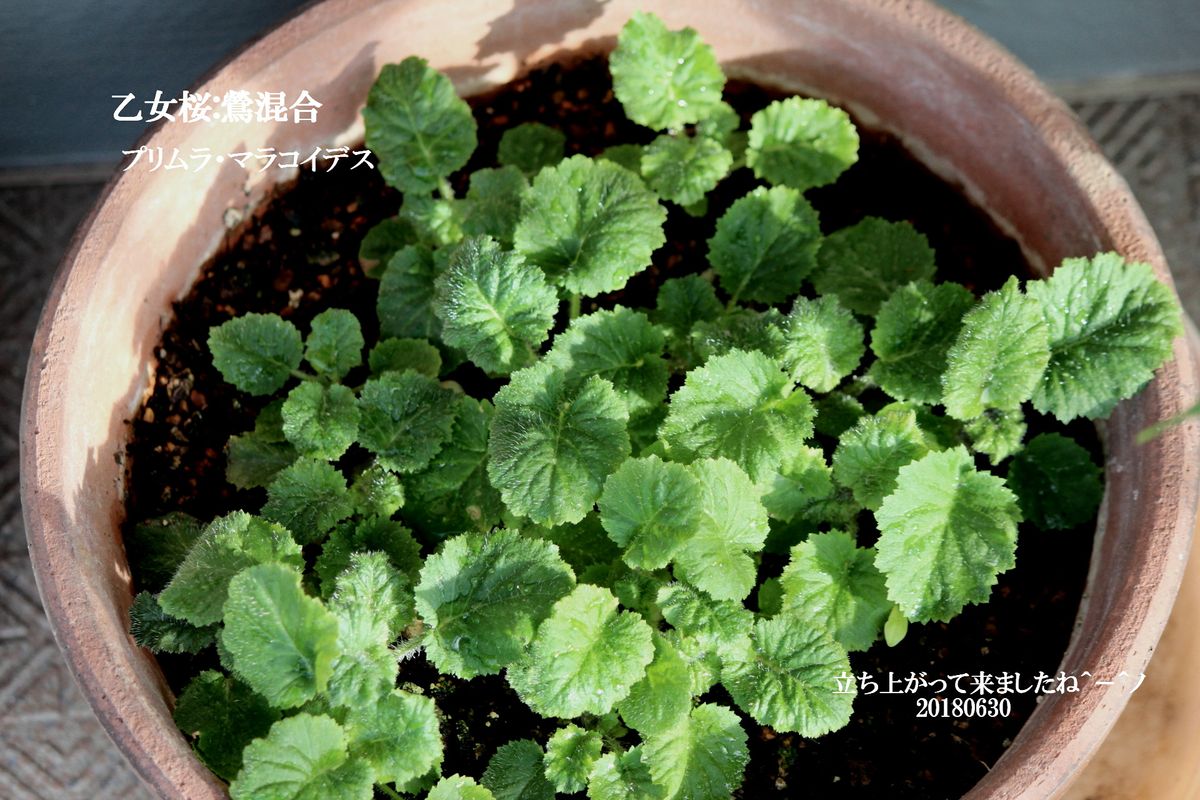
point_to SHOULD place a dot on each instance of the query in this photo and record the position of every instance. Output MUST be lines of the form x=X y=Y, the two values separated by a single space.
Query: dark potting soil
x=299 y=257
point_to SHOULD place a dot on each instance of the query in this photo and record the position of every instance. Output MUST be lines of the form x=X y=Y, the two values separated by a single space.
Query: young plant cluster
x=595 y=530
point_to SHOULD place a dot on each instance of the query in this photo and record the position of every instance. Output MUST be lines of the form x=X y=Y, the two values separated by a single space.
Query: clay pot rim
x=942 y=29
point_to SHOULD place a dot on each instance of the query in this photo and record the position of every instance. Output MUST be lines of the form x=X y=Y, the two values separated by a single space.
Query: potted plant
x=710 y=453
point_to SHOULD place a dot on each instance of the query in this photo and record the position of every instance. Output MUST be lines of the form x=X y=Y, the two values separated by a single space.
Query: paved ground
x=50 y=744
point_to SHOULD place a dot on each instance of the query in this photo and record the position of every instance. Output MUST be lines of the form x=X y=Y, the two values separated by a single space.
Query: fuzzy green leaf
x=742 y=406
x=590 y=225
x=406 y=290
x=269 y=422
x=940 y=430
x=869 y=455
x=628 y=156
x=552 y=445
x=585 y=656
x=158 y=546
x=257 y=353
x=635 y=589
x=839 y=510
x=769 y=597
x=914 y=330
x=720 y=626
x=621 y=346
x=459 y=787
x=698 y=208
x=397 y=735
x=837 y=412
x=376 y=491
x=225 y=716
x=321 y=421
x=643 y=432
x=483 y=595
x=417 y=126
x=997 y=434
x=374 y=533
x=803 y=481
x=308 y=498
x=896 y=627
x=334 y=346
x=400 y=355
x=664 y=79
x=283 y=642
x=570 y=756
x=801 y=143
x=834 y=584
x=864 y=264
x=787 y=677
x=740 y=329
x=494 y=306
x=703 y=757
x=302 y=758
x=493 y=203
x=999 y=355
x=268 y=425
x=361 y=677
x=650 y=508
x=437 y=221
x=661 y=699
x=623 y=776
x=682 y=302
x=1057 y=484
x=703 y=662
x=581 y=544
x=946 y=532
x=684 y=169
x=453 y=494
x=733 y=524
x=159 y=632
x=228 y=545
x=406 y=419
x=722 y=123
x=372 y=602
x=786 y=535
x=254 y=460
x=765 y=245
x=824 y=342
x=1110 y=325
x=531 y=146
x=382 y=242
x=516 y=772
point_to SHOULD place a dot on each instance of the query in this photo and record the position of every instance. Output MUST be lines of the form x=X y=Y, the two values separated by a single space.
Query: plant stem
x=612 y=743
x=596 y=724
x=573 y=305
x=389 y=791
x=445 y=189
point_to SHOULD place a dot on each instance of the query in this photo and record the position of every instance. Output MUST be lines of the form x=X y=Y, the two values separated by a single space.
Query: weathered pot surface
x=957 y=100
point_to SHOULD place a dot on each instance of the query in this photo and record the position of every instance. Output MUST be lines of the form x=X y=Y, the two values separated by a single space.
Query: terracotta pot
x=956 y=99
